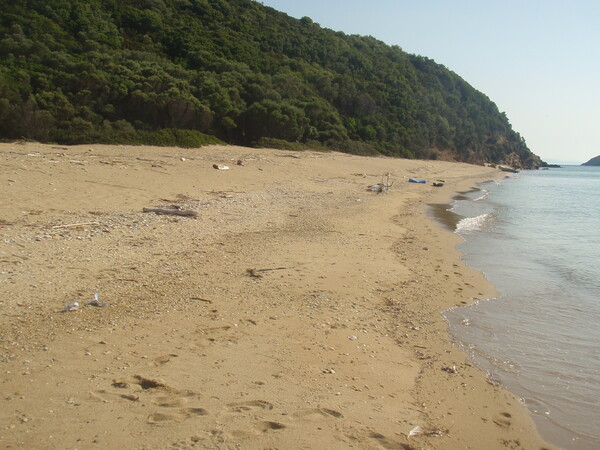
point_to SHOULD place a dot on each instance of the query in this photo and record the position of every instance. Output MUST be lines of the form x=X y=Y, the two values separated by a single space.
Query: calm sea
x=536 y=237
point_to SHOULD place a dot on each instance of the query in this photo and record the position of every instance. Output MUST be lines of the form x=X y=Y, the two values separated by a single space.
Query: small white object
x=378 y=188
x=415 y=431
x=96 y=301
x=72 y=307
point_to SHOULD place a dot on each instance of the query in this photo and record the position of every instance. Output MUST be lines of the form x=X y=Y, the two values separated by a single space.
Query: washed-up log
x=175 y=212
x=253 y=273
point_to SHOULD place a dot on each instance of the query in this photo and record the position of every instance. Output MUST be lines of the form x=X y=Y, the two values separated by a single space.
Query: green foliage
x=281 y=144
x=157 y=71
x=175 y=137
x=121 y=132
x=355 y=148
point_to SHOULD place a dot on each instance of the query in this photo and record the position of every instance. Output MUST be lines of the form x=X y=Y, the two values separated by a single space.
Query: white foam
x=471 y=223
x=483 y=197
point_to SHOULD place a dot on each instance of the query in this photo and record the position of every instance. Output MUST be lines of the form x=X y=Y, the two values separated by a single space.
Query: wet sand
x=297 y=310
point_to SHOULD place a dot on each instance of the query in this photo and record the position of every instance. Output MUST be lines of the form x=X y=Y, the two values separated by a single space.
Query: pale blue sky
x=539 y=61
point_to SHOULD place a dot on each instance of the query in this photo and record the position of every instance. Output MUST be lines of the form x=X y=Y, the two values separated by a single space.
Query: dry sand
x=298 y=310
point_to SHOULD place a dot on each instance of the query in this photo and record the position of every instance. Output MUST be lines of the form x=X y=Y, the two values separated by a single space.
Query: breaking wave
x=483 y=196
x=471 y=223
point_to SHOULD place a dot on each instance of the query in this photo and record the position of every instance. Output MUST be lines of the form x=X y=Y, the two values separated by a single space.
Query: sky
x=539 y=61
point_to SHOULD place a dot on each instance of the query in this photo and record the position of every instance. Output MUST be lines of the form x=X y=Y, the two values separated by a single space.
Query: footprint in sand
x=175 y=400
x=267 y=426
x=194 y=412
x=170 y=402
x=217 y=335
x=107 y=397
x=143 y=382
x=175 y=416
x=244 y=434
x=251 y=405
x=503 y=421
x=152 y=383
x=388 y=443
x=317 y=413
x=248 y=321
x=159 y=417
x=161 y=360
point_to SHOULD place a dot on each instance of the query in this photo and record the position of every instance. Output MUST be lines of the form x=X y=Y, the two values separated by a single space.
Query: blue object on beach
x=417 y=180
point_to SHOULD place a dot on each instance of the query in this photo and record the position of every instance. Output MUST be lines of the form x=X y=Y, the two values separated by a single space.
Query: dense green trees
x=125 y=71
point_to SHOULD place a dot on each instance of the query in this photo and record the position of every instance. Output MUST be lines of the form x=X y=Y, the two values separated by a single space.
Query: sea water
x=536 y=237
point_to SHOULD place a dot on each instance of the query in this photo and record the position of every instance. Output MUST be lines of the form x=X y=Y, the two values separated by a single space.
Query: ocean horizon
x=534 y=235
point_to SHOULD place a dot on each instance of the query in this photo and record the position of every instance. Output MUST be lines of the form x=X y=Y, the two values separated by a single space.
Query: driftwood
x=253 y=273
x=175 y=212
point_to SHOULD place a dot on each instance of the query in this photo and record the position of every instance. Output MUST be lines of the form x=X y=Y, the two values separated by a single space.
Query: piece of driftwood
x=253 y=273
x=175 y=212
x=268 y=269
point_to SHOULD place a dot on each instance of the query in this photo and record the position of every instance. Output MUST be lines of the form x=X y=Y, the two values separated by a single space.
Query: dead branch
x=175 y=212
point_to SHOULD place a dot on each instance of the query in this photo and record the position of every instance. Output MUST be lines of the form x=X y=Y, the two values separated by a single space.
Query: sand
x=298 y=310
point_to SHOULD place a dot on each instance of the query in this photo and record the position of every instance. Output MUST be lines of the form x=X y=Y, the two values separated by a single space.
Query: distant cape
x=593 y=162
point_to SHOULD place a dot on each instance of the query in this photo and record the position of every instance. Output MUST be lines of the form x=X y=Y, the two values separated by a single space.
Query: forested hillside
x=150 y=71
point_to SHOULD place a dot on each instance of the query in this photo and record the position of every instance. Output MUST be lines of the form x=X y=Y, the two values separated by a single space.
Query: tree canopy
x=74 y=71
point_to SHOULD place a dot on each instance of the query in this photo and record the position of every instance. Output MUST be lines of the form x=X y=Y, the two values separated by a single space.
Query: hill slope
x=110 y=71
x=593 y=162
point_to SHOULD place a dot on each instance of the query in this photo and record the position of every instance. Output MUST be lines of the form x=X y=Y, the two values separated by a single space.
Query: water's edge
x=444 y=215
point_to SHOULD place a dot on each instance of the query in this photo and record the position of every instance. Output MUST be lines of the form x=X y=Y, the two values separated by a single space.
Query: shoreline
x=298 y=308
x=503 y=334
x=465 y=384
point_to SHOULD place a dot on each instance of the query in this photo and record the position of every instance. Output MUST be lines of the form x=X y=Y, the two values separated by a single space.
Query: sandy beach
x=296 y=310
